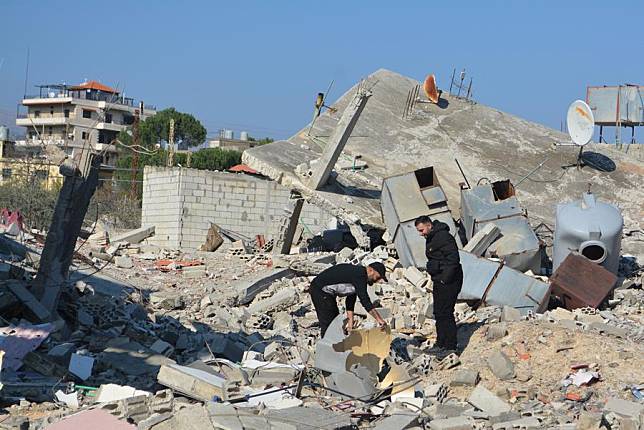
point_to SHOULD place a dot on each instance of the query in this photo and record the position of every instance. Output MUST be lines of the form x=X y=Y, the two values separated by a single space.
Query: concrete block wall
x=182 y=203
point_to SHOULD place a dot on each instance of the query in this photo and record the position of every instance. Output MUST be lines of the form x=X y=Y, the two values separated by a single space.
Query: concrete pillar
x=338 y=140
x=73 y=200
x=286 y=232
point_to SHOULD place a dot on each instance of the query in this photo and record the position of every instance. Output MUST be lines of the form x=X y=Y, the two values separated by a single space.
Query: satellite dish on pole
x=581 y=123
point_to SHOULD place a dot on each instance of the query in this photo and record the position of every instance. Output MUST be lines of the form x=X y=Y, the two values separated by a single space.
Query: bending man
x=345 y=280
x=444 y=266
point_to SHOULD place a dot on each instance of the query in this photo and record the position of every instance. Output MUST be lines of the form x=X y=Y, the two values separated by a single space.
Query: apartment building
x=78 y=116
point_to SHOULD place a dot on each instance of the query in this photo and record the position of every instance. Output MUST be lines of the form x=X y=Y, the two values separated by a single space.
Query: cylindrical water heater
x=591 y=228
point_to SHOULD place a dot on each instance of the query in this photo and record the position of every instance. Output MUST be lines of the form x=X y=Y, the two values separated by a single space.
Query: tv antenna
x=320 y=103
x=581 y=126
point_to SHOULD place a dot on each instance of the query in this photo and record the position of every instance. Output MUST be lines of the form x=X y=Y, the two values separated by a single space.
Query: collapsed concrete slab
x=134 y=236
x=246 y=291
x=194 y=383
x=487 y=142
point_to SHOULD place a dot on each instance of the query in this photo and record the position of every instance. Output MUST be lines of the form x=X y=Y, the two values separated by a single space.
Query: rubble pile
x=183 y=347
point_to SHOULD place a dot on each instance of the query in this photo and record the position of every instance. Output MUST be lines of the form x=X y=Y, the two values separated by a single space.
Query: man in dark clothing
x=444 y=266
x=345 y=280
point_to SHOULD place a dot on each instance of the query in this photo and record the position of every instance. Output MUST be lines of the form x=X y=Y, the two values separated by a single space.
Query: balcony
x=26 y=120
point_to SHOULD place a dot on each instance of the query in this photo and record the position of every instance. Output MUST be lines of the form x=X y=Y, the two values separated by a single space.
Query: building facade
x=74 y=117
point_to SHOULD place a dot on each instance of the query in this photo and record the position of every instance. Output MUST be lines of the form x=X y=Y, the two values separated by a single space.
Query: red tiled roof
x=95 y=85
x=242 y=168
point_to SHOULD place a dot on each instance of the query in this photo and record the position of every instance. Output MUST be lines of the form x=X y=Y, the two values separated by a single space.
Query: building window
x=87 y=113
x=66 y=113
x=108 y=118
x=6 y=173
x=51 y=110
x=128 y=119
x=84 y=135
x=36 y=114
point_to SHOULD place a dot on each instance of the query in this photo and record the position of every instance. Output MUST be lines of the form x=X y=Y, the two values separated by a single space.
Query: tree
x=263 y=141
x=188 y=131
x=215 y=159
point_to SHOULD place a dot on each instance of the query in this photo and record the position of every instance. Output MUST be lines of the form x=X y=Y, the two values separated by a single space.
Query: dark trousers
x=444 y=300
x=325 y=306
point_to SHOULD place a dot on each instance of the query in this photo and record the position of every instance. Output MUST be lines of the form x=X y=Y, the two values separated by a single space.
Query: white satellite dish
x=581 y=123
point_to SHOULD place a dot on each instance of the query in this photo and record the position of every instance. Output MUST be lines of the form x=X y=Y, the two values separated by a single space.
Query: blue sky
x=257 y=65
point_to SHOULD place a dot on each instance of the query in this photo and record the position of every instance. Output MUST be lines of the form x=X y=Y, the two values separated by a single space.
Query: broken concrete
x=484 y=400
x=501 y=365
x=482 y=240
x=134 y=236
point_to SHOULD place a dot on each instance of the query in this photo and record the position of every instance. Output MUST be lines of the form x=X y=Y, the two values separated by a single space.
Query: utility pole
x=170 y=162
x=135 y=143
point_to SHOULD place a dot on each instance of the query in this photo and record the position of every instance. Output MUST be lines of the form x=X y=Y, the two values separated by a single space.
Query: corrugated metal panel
x=478 y=273
x=579 y=282
x=518 y=290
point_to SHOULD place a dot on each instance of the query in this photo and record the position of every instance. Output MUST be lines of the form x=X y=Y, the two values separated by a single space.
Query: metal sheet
x=478 y=273
x=402 y=201
x=410 y=245
x=406 y=197
x=579 y=282
x=518 y=290
x=434 y=195
x=518 y=246
x=623 y=103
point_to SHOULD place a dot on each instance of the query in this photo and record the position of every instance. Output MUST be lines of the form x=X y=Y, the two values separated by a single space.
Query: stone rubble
x=226 y=339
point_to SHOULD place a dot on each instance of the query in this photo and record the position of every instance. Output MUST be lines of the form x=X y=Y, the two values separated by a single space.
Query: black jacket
x=443 y=261
x=345 y=280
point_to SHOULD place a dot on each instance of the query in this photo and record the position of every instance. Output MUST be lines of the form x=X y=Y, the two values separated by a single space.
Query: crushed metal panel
x=478 y=205
x=410 y=245
x=478 y=274
x=518 y=290
x=518 y=245
x=496 y=204
x=579 y=282
x=404 y=198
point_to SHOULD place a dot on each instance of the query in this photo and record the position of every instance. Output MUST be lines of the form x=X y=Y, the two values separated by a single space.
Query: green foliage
x=263 y=141
x=188 y=131
x=35 y=202
x=204 y=159
x=215 y=159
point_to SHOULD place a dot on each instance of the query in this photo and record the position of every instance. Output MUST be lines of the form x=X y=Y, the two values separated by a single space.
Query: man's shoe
x=436 y=349
x=446 y=352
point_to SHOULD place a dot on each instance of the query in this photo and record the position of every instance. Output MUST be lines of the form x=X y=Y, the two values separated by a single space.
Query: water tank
x=229 y=134
x=592 y=228
x=4 y=133
x=243 y=135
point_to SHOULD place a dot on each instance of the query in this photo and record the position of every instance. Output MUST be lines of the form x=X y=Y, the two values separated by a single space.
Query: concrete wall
x=182 y=203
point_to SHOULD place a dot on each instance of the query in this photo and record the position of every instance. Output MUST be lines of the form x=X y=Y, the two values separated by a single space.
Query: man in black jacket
x=444 y=266
x=345 y=280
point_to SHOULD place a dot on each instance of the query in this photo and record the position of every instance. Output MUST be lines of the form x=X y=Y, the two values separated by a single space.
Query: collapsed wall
x=181 y=203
